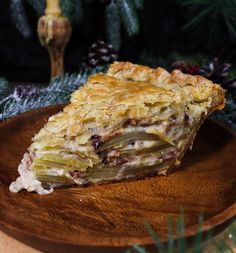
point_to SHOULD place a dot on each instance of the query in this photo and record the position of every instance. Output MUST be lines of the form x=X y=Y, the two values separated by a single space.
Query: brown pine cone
x=99 y=53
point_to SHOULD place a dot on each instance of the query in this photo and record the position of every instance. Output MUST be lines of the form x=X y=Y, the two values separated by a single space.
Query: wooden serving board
x=110 y=218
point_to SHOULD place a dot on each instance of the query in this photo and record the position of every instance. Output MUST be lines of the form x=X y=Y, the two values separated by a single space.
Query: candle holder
x=54 y=31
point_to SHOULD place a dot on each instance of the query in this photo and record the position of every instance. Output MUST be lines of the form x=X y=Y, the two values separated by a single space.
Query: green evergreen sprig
x=179 y=245
x=213 y=17
x=25 y=98
x=5 y=89
x=73 y=9
x=113 y=23
x=19 y=18
x=228 y=114
x=138 y=4
x=118 y=12
x=125 y=13
x=128 y=16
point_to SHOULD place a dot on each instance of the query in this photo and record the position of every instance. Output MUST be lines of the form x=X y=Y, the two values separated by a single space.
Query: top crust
x=200 y=87
x=134 y=72
x=128 y=91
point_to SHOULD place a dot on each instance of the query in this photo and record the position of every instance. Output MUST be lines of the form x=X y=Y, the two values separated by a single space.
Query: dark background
x=161 y=34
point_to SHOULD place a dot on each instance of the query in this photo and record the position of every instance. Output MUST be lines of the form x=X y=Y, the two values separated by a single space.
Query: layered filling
x=136 y=149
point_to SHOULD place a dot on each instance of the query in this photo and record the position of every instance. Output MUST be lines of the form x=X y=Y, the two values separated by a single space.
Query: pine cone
x=99 y=53
x=186 y=67
x=216 y=71
x=25 y=91
x=219 y=73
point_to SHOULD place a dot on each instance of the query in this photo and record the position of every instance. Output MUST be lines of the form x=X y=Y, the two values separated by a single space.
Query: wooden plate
x=110 y=218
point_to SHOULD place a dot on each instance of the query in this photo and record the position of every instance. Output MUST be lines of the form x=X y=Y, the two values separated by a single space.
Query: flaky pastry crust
x=126 y=91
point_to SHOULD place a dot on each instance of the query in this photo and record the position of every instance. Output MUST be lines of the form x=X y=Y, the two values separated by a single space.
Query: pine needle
x=194 y=22
x=139 y=249
x=73 y=9
x=67 y=7
x=197 y=244
x=181 y=242
x=155 y=237
x=228 y=114
x=222 y=246
x=214 y=18
x=58 y=92
x=128 y=16
x=232 y=232
x=170 y=235
x=19 y=18
x=138 y=4
x=4 y=88
x=113 y=25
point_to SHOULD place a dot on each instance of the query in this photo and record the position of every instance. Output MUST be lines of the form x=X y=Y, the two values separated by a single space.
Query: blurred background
x=151 y=32
x=195 y=36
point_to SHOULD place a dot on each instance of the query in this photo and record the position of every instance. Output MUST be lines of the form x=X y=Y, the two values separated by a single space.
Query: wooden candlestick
x=54 y=32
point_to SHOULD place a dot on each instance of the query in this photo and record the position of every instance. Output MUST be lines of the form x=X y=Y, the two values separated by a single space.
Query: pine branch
x=73 y=9
x=19 y=18
x=113 y=25
x=159 y=245
x=24 y=97
x=4 y=88
x=228 y=114
x=180 y=233
x=171 y=242
x=138 y=4
x=67 y=7
x=195 y=21
x=139 y=249
x=197 y=245
x=128 y=16
x=230 y=26
x=221 y=246
x=213 y=17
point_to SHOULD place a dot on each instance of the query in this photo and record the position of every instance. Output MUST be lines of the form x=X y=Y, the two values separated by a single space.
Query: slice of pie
x=129 y=123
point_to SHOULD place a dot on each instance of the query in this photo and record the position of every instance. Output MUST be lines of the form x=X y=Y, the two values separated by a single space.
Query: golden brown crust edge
x=220 y=101
x=134 y=72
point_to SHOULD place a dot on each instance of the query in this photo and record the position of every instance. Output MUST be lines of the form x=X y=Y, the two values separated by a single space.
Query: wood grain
x=110 y=218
